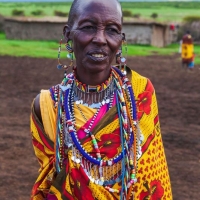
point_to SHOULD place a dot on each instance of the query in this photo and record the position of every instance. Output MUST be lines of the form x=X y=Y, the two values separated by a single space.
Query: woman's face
x=96 y=34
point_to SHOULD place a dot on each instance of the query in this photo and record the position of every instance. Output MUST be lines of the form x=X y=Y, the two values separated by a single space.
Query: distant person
x=97 y=134
x=191 y=63
x=187 y=51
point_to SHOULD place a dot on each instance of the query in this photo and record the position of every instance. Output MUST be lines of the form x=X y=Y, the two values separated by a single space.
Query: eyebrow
x=93 y=21
x=87 y=20
x=115 y=24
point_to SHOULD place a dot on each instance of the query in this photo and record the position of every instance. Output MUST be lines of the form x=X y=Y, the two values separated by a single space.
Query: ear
x=123 y=37
x=67 y=33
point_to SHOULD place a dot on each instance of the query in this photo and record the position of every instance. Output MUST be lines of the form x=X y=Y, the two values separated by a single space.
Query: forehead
x=104 y=9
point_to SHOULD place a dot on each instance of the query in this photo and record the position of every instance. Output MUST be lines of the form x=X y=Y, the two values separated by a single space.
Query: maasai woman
x=187 y=50
x=97 y=134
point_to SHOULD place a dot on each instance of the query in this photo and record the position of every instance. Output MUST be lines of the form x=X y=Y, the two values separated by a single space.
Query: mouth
x=97 y=56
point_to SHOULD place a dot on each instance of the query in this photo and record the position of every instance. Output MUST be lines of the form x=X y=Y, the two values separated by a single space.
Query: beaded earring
x=69 y=55
x=120 y=59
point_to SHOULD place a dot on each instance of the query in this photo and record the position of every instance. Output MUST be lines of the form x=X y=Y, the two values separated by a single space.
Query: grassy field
x=47 y=8
x=45 y=49
x=49 y=49
x=166 y=11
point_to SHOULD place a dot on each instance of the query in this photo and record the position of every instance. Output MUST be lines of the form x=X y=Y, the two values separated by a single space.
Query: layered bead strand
x=59 y=135
x=63 y=96
x=134 y=126
x=60 y=132
x=124 y=137
x=88 y=130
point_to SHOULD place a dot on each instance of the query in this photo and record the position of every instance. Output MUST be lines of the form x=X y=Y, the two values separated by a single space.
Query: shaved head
x=78 y=4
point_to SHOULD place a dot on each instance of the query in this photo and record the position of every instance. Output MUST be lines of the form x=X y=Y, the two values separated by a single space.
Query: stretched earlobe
x=66 y=33
x=123 y=37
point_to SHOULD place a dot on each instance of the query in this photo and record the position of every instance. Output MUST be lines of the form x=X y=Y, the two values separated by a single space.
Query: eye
x=112 y=30
x=88 y=28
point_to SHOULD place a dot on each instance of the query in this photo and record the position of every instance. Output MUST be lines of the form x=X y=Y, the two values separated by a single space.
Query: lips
x=97 y=56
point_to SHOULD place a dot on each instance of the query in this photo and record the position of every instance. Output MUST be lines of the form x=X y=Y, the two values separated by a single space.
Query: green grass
x=165 y=14
x=47 y=8
x=49 y=49
x=45 y=49
x=167 y=11
x=144 y=50
x=157 y=5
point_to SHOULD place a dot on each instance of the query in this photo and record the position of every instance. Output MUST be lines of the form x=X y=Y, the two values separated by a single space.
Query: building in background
x=137 y=32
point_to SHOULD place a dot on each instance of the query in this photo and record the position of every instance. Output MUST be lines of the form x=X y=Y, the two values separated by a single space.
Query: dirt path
x=178 y=94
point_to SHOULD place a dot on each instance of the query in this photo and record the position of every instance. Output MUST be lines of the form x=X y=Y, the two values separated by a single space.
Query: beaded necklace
x=90 y=95
x=66 y=136
x=88 y=130
x=90 y=88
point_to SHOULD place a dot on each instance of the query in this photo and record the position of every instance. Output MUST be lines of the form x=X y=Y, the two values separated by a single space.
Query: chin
x=97 y=68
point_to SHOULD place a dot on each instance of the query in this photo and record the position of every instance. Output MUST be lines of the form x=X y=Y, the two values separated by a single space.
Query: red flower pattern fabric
x=154 y=191
x=144 y=100
x=81 y=182
x=106 y=142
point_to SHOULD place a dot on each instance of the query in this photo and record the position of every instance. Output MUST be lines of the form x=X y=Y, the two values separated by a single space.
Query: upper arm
x=36 y=105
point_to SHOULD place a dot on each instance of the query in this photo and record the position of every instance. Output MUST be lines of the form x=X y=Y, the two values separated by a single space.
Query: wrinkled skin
x=96 y=37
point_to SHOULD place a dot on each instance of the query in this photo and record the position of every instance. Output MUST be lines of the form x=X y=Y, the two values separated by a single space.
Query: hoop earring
x=69 y=55
x=120 y=59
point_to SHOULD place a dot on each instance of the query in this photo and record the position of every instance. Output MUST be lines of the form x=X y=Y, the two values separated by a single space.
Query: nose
x=100 y=38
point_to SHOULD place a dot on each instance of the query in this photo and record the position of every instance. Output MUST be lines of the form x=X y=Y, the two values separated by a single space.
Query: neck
x=92 y=78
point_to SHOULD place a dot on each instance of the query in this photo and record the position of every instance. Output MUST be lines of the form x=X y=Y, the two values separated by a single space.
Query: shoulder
x=140 y=83
x=36 y=107
x=40 y=101
x=136 y=76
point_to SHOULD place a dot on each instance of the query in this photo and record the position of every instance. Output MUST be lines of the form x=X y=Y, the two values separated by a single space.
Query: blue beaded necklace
x=63 y=96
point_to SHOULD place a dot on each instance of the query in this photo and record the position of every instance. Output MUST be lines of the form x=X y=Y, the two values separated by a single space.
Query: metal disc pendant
x=123 y=60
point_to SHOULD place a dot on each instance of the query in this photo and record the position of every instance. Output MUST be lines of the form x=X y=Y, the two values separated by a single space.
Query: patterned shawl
x=72 y=182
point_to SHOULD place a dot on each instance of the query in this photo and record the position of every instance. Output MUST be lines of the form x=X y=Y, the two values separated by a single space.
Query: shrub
x=16 y=12
x=60 y=13
x=177 y=6
x=154 y=15
x=127 y=13
x=37 y=12
x=190 y=19
x=136 y=15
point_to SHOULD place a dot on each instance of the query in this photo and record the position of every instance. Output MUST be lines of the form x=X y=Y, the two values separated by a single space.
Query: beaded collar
x=92 y=88
x=90 y=95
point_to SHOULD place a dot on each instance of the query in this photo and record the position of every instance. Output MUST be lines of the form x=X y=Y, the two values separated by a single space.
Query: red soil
x=178 y=94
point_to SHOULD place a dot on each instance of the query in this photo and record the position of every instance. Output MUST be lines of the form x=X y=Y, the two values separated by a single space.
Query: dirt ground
x=178 y=94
